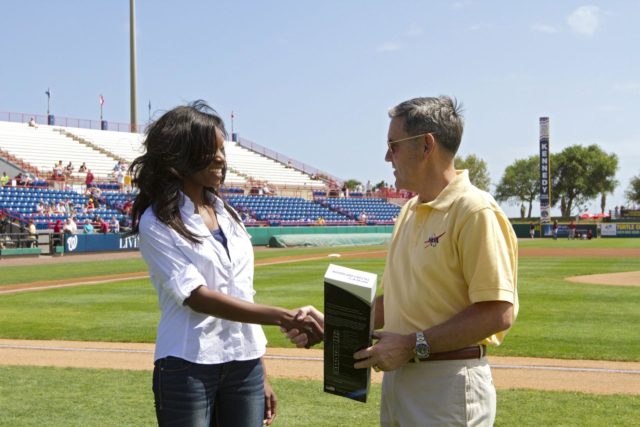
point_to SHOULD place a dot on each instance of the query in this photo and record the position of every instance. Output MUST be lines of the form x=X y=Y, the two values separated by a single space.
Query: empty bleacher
x=44 y=146
x=285 y=210
x=376 y=209
x=124 y=145
x=261 y=168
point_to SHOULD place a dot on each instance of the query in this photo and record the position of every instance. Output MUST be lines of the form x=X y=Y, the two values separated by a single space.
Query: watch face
x=422 y=350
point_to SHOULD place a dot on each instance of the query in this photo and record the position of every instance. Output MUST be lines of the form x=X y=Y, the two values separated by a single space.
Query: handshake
x=304 y=327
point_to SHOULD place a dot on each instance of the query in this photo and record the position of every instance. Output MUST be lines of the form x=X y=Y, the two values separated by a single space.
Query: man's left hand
x=390 y=352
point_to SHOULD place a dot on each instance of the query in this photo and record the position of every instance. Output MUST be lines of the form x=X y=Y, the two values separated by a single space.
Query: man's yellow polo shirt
x=445 y=255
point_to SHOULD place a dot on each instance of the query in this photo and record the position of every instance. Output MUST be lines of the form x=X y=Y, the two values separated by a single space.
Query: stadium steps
x=21 y=164
x=90 y=144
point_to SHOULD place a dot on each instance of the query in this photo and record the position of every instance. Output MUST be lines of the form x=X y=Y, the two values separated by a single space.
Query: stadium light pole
x=132 y=52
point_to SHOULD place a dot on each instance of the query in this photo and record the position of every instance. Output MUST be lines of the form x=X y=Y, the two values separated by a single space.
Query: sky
x=314 y=80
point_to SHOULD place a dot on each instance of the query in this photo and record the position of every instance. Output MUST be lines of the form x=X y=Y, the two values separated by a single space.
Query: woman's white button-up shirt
x=178 y=266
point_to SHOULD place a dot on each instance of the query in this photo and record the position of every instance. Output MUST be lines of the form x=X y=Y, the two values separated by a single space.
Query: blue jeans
x=222 y=395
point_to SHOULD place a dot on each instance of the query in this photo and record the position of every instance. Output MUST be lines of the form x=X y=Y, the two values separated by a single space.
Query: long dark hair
x=180 y=143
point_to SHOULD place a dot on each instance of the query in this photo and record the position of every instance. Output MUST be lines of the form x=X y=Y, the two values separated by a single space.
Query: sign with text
x=348 y=324
x=76 y=243
x=545 y=172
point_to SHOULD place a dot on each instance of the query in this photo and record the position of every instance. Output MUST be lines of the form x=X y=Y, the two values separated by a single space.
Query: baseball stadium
x=80 y=308
x=79 y=313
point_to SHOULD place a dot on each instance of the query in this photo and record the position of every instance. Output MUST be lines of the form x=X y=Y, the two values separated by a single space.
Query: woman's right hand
x=303 y=336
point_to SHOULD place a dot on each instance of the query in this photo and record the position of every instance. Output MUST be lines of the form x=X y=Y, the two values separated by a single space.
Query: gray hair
x=441 y=116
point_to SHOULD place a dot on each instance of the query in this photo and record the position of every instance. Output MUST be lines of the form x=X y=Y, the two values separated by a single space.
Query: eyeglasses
x=391 y=143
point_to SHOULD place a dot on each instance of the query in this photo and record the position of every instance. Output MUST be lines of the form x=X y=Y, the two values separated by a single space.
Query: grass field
x=69 y=397
x=557 y=319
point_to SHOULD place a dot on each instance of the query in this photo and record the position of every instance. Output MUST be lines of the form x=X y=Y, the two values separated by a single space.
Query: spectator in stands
x=83 y=167
x=32 y=123
x=56 y=236
x=114 y=225
x=320 y=221
x=96 y=194
x=126 y=207
x=200 y=260
x=19 y=179
x=4 y=223
x=87 y=227
x=104 y=225
x=117 y=167
x=68 y=170
x=88 y=180
x=368 y=188
x=363 y=217
x=70 y=226
x=4 y=180
x=33 y=234
x=127 y=182
x=126 y=224
x=120 y=179
x=90 y=205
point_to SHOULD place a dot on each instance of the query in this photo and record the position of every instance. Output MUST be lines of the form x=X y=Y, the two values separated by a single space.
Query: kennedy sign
x=545 y=171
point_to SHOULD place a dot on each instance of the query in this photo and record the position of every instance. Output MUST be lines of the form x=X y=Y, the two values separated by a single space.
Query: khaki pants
x=439 y=393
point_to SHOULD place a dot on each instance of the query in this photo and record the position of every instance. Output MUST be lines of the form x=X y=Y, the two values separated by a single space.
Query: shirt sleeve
x=171 y=269
x=489 y=258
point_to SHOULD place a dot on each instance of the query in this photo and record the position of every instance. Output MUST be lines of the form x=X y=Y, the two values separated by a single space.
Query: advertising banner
x=545 y=172
x=79 y=243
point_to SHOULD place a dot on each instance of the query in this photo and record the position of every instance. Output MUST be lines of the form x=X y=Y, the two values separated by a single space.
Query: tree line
x=579 y=175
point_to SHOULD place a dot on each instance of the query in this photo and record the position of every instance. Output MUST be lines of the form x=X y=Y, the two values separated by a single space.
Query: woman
x=209 y=346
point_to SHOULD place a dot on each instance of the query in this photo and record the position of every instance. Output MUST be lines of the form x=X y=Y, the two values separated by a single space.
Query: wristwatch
x=422 y=349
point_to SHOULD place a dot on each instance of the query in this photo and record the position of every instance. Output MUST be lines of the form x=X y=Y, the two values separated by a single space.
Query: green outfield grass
x=12 y=275
x=557 y=318
x=55 y=397
x=563 y=242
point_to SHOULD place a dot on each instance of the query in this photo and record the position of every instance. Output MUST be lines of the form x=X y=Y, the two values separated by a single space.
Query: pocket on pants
x=481 y=396
x=167 y=370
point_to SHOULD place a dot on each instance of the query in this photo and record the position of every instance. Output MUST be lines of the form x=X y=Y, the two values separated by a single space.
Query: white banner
x=608 y=229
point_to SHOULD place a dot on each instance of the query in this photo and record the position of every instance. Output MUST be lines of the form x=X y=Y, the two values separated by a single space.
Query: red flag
x=101 y=99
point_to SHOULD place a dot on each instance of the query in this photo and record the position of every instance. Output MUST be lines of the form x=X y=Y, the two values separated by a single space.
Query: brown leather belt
x=472 y=352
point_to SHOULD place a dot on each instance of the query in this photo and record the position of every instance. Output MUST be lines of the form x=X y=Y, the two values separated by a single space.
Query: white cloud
x=544 y=28
x=631 y=88
x=460 y=4
x=478 y=27
x=389 y=47
x=584 y=20
x=413 y=31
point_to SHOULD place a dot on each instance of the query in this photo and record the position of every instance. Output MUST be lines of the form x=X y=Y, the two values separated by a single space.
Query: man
x=450 y=280
x=88 y=180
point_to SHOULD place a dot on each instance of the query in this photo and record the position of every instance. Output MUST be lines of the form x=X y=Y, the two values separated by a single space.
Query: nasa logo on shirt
x=433 y=240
